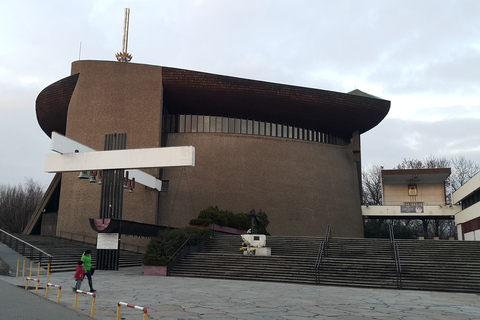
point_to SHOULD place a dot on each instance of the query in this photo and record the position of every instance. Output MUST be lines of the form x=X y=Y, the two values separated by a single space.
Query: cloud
x=421 y=55
x=395 y=139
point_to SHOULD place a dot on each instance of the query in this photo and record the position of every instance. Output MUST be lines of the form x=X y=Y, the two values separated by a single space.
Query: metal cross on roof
x=124 y=56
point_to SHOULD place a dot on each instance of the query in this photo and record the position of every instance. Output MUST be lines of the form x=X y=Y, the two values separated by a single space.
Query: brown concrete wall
x=110 y=97
x=301 y=185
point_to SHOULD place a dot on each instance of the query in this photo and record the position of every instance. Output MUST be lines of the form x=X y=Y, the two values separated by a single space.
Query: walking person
x=87 y=267
x=79 y=274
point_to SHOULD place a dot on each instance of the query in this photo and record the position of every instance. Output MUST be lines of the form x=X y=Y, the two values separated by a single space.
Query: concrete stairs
x=426 y=264
x=66 y=253
x=440 y=265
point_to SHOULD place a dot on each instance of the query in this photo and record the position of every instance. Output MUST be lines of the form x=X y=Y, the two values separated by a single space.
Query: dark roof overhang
x=415 y=176
x=126 y=227
x=52 y=105
x=192 y=92
x=340 y=114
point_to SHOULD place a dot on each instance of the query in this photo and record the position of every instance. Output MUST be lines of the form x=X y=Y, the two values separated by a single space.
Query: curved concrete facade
x=301 y=185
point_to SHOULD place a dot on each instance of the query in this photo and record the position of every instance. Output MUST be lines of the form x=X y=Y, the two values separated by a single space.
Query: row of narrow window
x=471 y=199
x=215 y=124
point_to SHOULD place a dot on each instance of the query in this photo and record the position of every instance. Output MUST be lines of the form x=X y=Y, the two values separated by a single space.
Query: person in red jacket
x=79 y=274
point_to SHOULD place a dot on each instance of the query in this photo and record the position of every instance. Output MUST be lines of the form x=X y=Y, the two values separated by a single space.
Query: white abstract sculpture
x=254 y=240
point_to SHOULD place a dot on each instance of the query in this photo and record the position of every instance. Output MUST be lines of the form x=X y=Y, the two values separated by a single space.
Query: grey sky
x=423 y=56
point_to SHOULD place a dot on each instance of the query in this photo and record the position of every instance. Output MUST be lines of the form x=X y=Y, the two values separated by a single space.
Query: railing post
x=87 y=293
x=133 y=307
x=396 y=256
x=8 y=240
x=322 y=251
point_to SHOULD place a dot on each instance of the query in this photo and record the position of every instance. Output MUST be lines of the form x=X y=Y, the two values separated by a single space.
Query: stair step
x=67 y=252
x=426 y=265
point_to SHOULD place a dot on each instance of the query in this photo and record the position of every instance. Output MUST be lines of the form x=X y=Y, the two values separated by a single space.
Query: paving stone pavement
x=193 y=298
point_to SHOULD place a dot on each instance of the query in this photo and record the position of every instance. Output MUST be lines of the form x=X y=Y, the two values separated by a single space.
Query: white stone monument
x=256 y=243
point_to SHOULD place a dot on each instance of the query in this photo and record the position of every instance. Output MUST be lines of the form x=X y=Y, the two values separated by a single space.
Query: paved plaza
x=194 y=298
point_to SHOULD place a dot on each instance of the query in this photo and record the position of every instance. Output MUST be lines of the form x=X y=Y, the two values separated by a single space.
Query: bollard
x=31 y=266
x=38 y=271
x=87 y=293
x=32 y=279
x=56 y=286
x=48 y=272
x=18 y=264
x=131 y=306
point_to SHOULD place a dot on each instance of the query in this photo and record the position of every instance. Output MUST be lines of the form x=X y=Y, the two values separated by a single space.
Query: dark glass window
x=181 y=123
x=244 y=126
x=194 y=123
x=237 y=125
x=225 y=125
x=188 y=123
x=200 y=123
x=213 y=120
x=249 y=126
x=173 y=123
x=255 y=127
x=206 y=124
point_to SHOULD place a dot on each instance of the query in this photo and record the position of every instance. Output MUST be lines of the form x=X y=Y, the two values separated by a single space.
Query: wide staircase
x=440 y=265
x=66 y=253
x=425 y=264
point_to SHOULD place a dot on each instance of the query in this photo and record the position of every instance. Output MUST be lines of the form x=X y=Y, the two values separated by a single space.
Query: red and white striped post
x=87 y=293
x=131 y=306
x=55 y=286
x=32 y=279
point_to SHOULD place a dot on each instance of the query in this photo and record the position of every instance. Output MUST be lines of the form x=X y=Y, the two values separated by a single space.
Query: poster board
x=107 y=241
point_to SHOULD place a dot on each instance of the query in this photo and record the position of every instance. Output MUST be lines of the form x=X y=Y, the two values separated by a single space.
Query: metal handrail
x=180 y=248
x=181 y=251
x=5 y=236
x=396 y=256
x=322 y=251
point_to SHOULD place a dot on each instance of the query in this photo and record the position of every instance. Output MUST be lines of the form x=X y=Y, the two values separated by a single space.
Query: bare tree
x=17 y=204
x=372 y=185
x=462 y=171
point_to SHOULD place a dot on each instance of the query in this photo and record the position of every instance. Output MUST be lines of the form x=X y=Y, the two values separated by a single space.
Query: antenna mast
x=124 y=56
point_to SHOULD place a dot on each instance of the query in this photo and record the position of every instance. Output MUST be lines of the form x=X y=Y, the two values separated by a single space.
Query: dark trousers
x=89 y=277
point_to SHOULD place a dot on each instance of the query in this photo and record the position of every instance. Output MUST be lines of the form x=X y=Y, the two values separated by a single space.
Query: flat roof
x=417 y=176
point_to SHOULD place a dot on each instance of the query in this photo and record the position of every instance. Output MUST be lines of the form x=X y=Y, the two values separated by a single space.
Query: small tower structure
x=124 y=56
